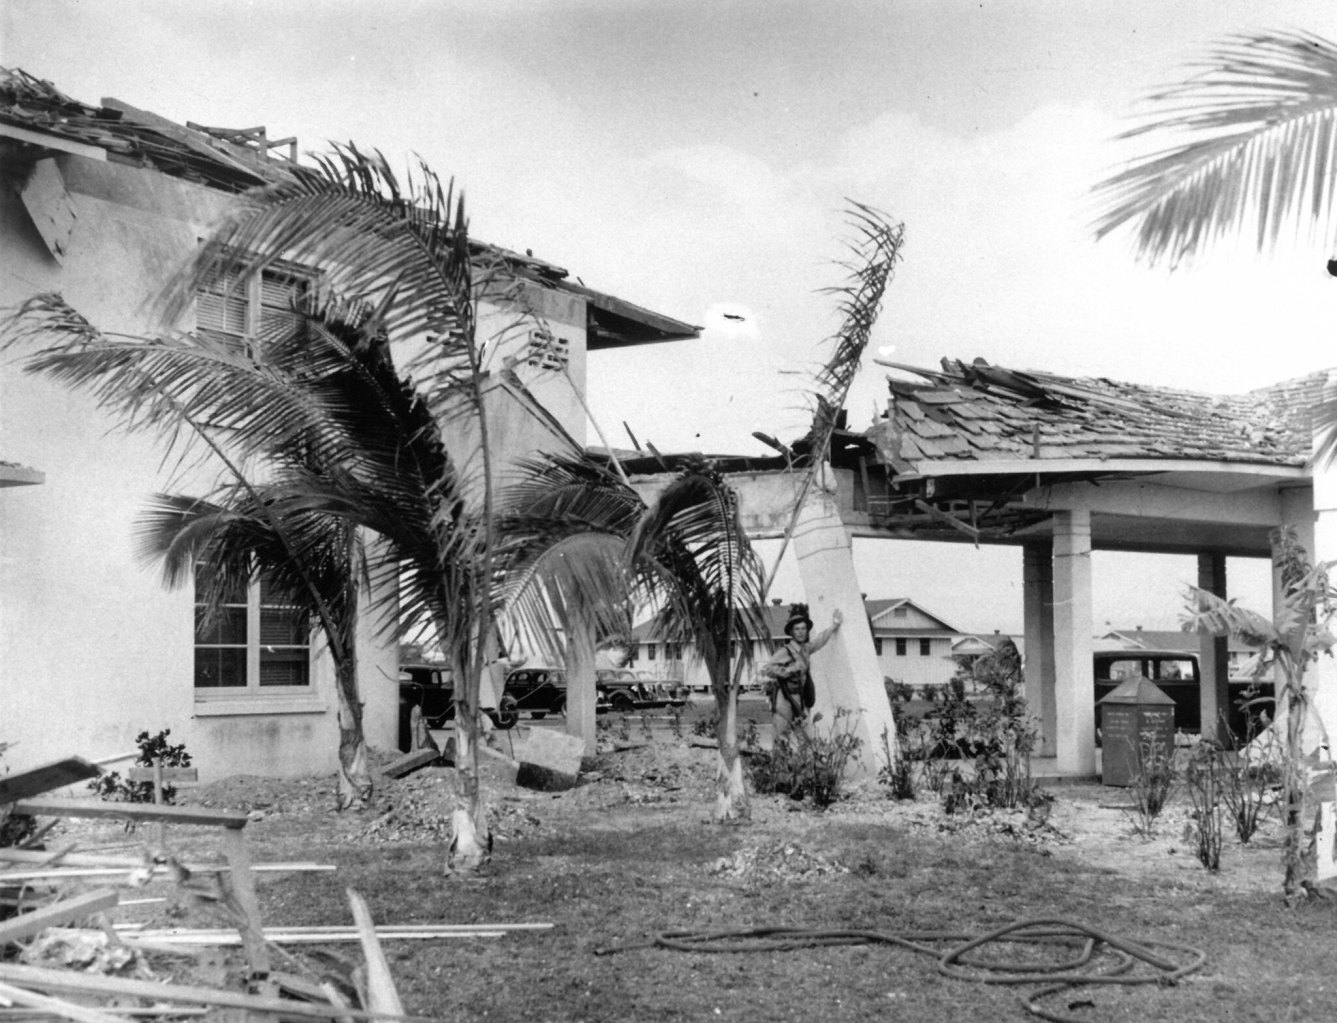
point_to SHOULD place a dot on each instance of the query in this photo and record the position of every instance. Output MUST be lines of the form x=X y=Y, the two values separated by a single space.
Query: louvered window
x=547 y=350
x=259 y=307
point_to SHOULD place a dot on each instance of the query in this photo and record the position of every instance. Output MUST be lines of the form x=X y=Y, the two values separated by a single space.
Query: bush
x=802 y=764
x=113 y=788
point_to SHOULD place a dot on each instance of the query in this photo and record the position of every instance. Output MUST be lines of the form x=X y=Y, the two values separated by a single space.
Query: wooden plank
x=65 y=857
x=36 y=780
x=382 y=998
x=45 y=979
x=242 y=885
x=55 y=1006
x=27 y=924
x=410 y=762
x=95 y=808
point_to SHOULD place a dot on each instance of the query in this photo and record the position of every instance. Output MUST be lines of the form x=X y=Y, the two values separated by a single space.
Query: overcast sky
x=694 y=156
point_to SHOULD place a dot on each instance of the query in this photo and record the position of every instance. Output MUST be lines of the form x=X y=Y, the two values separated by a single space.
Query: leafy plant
x=1287 y=644
x=115 y=789
x=896 y=772
x=1204 y=777
x=801 y=764
x=1154 y=781
x=706 y=726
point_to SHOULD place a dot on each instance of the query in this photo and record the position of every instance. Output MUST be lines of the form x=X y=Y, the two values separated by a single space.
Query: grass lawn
x=629 y=855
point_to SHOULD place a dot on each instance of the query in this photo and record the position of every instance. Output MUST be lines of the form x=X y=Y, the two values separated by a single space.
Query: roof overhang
x=19 y=475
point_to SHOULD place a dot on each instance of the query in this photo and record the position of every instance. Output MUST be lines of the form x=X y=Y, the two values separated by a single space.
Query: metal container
x=1137 y=726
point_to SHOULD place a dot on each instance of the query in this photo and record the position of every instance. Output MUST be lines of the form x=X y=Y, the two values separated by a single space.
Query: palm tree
x=582 y=549
x=1248 y=144
x=346 y=443
x=311 y=559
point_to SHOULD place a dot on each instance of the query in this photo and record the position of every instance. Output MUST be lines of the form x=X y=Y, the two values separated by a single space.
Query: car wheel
x=623 y=703
x=559 y=708
x=506 y=714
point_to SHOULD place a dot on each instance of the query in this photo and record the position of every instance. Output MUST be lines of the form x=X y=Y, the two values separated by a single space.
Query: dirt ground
x=629 y=855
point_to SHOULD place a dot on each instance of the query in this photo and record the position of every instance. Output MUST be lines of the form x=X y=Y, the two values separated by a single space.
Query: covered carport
x=1062 y=467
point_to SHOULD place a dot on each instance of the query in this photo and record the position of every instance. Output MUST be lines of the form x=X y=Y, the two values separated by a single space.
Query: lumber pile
x=66 y=953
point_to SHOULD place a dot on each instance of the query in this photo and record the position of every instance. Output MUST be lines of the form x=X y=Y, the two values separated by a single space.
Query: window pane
x=284 y=666
x=220 y=667
x=925 y=647
x=279 y=625
x=228 y=626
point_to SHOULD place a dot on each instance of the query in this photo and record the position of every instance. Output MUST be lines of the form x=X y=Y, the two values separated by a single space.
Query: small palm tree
x=311 y=559
x=582 y=548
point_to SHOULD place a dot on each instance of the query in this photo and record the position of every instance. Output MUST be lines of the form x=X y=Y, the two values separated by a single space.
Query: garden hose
x=1099 y=957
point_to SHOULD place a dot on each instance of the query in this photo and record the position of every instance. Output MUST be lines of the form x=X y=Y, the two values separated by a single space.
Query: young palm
x=693 y=559
x=582 y=548
x=344 y=442
x=310 y=559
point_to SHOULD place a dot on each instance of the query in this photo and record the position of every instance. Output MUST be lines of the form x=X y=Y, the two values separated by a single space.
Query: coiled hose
x=1099 y=958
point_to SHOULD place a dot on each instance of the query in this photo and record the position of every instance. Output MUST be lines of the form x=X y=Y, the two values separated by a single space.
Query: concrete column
x=846 y=671
x=1213 y=655
x=1074 y=686
x=1038 y=609
x=580 y=689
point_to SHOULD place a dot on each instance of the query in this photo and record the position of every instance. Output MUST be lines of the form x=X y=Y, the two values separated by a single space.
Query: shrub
x=1204 y=777
x=802 y=764
x=1154 y=782
x=113 y=788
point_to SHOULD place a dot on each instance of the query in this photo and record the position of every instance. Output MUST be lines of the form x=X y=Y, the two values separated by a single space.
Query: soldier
x=789 y=672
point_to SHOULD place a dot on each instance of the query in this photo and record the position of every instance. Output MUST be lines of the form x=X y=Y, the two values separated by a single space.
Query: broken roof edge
x=14 y=475
x=616 y=322
x=1103 y=466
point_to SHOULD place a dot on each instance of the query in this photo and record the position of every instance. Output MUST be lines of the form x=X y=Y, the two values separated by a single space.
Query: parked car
x=536 y=691
x=621 y=690
x=1177 y=674
x=428 y=686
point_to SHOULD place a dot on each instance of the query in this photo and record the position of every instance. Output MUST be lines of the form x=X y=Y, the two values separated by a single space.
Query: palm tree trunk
x=731 y=800
x=355 y=786
x=468 y=851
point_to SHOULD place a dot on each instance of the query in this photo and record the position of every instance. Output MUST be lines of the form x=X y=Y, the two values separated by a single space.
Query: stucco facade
x=93 y=648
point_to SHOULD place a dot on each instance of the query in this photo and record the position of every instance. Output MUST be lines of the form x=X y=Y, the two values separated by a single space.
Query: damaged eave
x=13 y=475
x=51 y=143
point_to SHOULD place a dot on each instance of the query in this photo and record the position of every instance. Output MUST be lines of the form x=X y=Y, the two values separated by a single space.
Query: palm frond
x=1247 y=144
x=693 y=558
x=874 y=252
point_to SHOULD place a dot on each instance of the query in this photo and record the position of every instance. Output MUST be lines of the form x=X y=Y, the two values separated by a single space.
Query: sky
x=698 y=156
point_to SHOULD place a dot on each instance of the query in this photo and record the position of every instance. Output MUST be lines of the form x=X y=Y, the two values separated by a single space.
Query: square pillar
x=1214 y=655
x=1074 y=683
x=1038 y=612
x=846 y=671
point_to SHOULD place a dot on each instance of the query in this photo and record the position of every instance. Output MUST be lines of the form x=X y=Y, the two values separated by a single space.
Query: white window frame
x=252 y=688
x=237 y=312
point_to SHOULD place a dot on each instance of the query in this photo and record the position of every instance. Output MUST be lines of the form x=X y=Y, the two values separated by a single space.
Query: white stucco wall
x=92 y=648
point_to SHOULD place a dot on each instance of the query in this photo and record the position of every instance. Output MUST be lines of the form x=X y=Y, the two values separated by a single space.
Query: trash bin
x=1136 y=720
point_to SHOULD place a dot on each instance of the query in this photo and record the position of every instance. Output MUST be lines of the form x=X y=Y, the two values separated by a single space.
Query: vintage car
x=621 y=690
x=429 y=687
x=536 y=691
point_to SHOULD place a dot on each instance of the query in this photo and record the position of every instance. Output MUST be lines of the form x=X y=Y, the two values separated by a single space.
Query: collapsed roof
x=35 y=117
